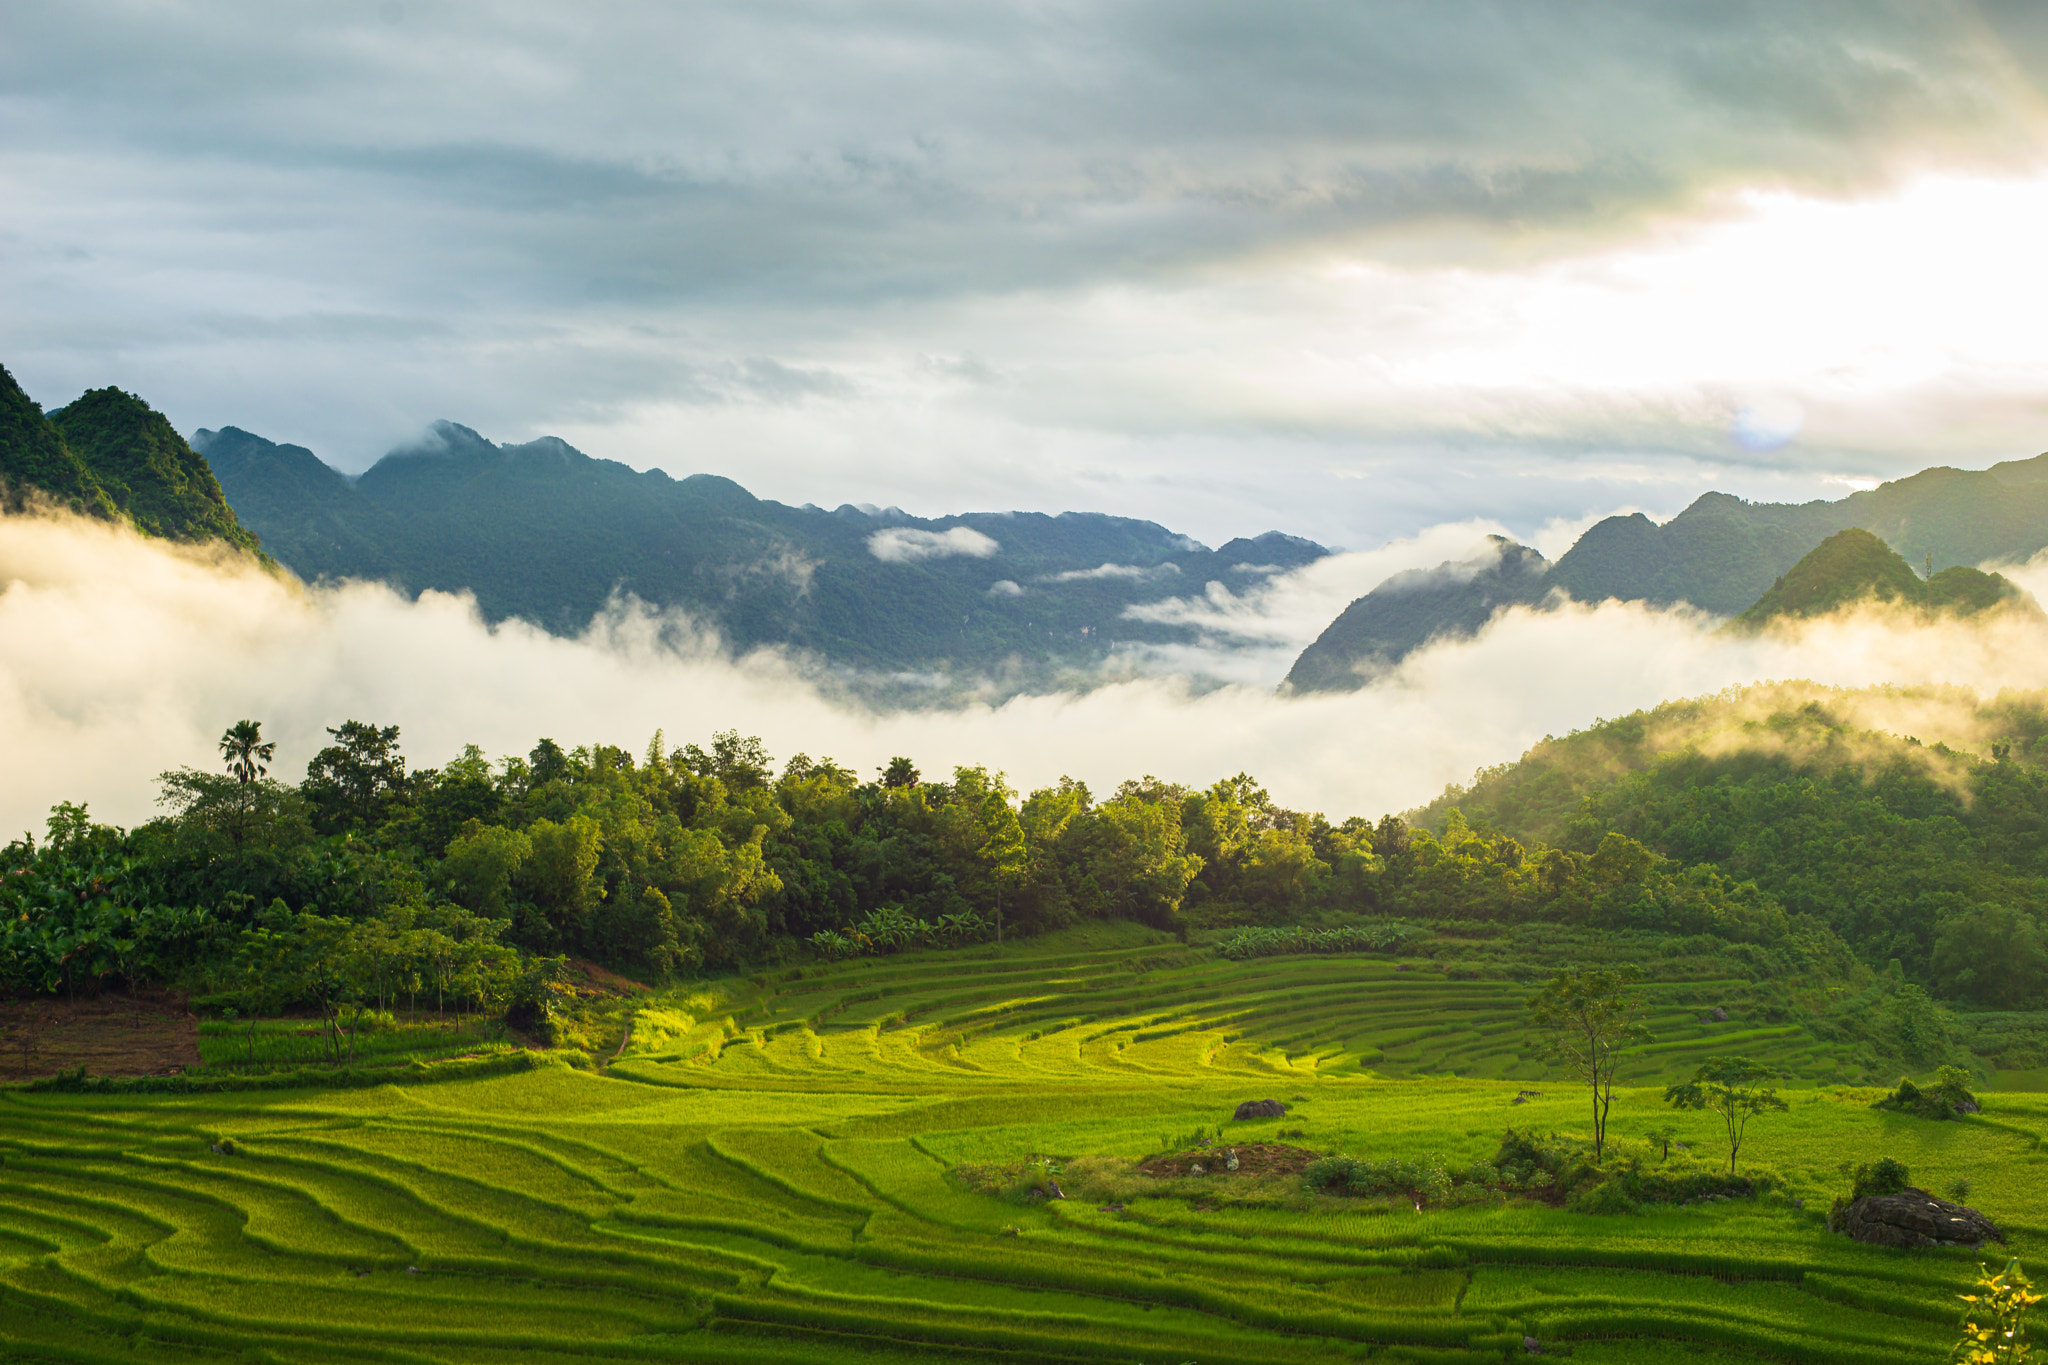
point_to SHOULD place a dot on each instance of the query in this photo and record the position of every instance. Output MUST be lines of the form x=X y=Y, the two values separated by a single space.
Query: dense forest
x=1911 y=852
x=371 y=878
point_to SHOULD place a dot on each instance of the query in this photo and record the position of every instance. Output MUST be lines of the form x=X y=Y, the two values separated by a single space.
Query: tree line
x=452 y=881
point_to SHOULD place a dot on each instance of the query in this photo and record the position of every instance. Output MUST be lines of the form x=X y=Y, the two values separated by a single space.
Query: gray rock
x=1532 y=1346
x=1196 y=1169
x=1914 y=1218
x=1261 y=1109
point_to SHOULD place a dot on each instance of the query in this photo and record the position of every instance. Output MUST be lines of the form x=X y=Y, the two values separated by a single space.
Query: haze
x=121 y=657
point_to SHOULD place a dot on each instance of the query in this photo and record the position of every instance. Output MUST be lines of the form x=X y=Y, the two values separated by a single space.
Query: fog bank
x=121 y=657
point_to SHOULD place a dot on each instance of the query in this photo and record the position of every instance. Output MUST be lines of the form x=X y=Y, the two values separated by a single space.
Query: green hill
x=34 y=458
x=111 y=455
x=1855 y=566
x=1908 y=848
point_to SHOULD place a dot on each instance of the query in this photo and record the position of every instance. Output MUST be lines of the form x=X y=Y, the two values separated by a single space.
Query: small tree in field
x=1588 y=1017
x=1735 y=1088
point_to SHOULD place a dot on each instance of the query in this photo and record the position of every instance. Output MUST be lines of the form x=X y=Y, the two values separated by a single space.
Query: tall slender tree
x=247 y=753
x=1588 y=1017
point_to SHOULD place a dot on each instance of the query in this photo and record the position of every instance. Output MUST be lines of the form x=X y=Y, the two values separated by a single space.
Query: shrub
x=1252 y=942
x=1428 y=1179
x=1883 y=1176
x=1948 y=1096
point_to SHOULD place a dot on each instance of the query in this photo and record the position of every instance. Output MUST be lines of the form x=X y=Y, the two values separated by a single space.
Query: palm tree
x=246 y=752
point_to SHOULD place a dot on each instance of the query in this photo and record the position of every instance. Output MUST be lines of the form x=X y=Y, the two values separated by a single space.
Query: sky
x=1349 y=271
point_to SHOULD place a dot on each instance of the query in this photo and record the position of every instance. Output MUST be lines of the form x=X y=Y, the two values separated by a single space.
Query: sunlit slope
x=781 y=1193
x=1113 y=1010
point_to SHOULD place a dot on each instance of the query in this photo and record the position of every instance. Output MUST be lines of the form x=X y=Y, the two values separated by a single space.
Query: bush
x=1948 y=1096
x=1428 y=1179
x=1883 y=1176
x=1386 y=937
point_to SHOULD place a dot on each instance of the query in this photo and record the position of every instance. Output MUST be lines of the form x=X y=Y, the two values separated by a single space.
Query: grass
x=769 y=1172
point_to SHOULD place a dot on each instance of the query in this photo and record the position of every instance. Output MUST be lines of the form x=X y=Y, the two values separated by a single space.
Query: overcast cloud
x=1343 y=270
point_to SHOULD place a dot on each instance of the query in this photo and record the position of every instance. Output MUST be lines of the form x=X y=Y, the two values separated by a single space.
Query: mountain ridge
x=545 y=532
x=108 y=454
x=1720 y=554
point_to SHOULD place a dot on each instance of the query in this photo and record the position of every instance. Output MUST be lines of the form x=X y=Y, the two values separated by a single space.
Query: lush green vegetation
x=1912 y=853
x=1868 y=879
x=850 y=1162
x=110 y=455
x=1855 y=566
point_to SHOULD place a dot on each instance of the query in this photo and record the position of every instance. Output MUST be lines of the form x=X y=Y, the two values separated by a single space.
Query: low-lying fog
x=122 y=657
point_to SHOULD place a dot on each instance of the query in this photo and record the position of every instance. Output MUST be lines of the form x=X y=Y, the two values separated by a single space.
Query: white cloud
x=1135 y=571
x=1005 y=587
x=907 y=545
x=120 y=658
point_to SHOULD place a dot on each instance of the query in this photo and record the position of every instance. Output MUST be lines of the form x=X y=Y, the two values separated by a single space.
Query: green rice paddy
x=770 y=1175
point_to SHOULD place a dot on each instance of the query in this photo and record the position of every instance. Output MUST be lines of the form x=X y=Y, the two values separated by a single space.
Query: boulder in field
x=1261 y=1109
x=1914 y=1218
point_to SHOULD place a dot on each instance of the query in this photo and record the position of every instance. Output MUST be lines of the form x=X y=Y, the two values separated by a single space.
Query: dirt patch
x=590 y=979
x=1253 y=1158
x=152 y=1033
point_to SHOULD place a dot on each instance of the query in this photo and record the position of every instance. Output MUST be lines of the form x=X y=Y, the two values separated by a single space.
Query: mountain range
x=543 y=532
x=1721 y=554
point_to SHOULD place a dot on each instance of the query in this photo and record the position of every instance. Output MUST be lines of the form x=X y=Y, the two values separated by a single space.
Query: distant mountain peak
x=1854 y=566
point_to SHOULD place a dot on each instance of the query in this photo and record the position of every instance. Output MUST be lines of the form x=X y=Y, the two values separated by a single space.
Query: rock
x=1967 y=1107
x=1196 y=1169
x=1532 y=1346
x=1261 y=1109
x=1057 y=1192
x=1914 y=1218
x=412 y=1270
x=1230 y=1160
x=1519 y=1099
x=1718 y=1014
x=1036 y=1196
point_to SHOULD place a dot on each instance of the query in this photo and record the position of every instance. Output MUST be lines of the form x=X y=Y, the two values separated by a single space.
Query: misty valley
x=349 y=1014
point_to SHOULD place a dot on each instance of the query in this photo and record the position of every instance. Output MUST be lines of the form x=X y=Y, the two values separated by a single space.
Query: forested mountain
x=1720 y=554
x=1409 y=609
x=545 y=532
x=109 y=454
x=1855 y=566
x=1909 y=850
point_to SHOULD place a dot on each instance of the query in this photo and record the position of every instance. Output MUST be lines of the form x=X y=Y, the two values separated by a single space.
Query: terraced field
x=771 y=1175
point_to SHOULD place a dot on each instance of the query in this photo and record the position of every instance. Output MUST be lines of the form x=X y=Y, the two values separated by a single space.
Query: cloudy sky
x=1347 y=270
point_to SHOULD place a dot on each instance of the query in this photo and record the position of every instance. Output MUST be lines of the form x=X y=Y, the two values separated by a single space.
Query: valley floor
x=776 y=1176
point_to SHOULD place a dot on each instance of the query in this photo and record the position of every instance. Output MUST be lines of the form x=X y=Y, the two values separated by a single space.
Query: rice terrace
x=938 y=1155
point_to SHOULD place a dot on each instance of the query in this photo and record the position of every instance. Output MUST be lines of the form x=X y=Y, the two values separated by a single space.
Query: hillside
x=546 y=532
x=1411 y=609
x=109 y=454
x=1854 y=566
x=990 y=1155
x=1907 y=820
x=1720 y=554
